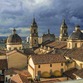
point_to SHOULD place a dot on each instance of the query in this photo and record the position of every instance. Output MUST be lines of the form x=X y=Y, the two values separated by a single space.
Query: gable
x=17 y=60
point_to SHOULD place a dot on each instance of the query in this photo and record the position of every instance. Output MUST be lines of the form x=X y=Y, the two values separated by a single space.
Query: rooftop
x=47 y=59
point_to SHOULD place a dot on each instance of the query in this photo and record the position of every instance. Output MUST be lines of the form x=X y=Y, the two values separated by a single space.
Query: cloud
x=48 y=14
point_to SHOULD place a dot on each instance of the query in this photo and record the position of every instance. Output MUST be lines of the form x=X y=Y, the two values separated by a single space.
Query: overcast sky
x=48 y=13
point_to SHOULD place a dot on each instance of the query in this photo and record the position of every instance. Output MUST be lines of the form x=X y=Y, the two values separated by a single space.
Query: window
x=81 y=65
x=39 y=73
x=6 y=79
x=61 y=64
x=10 y=48
x=19 y=48
x=51 y=71
x=34 y=41
x=50 y=65
x=34 y=31
x=0 y=71
x=69 y=44
x=38 y=66
x=75 y=45
x=61 y=70
x=15 y=48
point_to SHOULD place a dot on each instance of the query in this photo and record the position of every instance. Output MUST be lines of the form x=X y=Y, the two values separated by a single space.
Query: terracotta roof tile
x=75 y=54
x=70 y=72
x=47 y=59
x=58 y=44
x=79 y=73
x=19 y=78
x=12 y=71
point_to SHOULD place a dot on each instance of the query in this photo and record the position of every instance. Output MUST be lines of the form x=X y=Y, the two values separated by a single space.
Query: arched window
x=9 y=48
x=19 y=48
x=34 y=41
x=69 y=45
x=34 y=30
x=75 y=45
x=15 y=48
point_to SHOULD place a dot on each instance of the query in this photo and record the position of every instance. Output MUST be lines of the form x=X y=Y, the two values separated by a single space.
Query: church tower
x=63 y=32
x=34 y=34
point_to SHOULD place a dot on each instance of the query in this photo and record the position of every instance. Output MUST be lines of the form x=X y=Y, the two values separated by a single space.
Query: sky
x=49 y=14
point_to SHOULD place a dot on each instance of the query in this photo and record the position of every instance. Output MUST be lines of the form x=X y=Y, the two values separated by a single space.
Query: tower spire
x=14 y=31
x=63 y=22
x=34 y=22
x=48 y=31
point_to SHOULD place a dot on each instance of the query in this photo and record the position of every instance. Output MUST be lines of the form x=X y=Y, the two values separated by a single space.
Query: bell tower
x=34 y=34
x=63 y=32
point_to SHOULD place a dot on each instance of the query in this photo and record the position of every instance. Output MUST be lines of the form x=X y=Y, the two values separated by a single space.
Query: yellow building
x=76 y=39
x=37 y=64
x=33 y=35
x=16 y=59
x=14 y=41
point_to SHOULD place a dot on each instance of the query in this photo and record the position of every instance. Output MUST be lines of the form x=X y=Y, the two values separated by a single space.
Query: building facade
x=37 y=64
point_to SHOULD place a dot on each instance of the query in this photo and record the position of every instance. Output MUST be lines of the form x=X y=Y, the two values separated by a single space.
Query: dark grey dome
x=77 y=35
x=14 y=38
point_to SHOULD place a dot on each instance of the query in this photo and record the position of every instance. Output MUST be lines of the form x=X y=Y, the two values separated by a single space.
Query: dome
x=77 y=35
x=14 y=38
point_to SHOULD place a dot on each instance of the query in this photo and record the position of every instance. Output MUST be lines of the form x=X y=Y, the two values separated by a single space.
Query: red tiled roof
x=70 y=72
x=12 y=71
x=58 y=44
x=79 y=73
x=19 y=78
x=25 y=73
x=47 y=58
x=75 y=54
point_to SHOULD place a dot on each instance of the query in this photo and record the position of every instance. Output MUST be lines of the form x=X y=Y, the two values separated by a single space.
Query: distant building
x=63 y=32
x=48 y=37
x=75 y=40
x=34 y=34
x=14 y=41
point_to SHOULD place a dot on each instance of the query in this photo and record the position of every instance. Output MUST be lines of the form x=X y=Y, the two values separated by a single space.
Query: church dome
x=77 y=34
x=14 y=38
